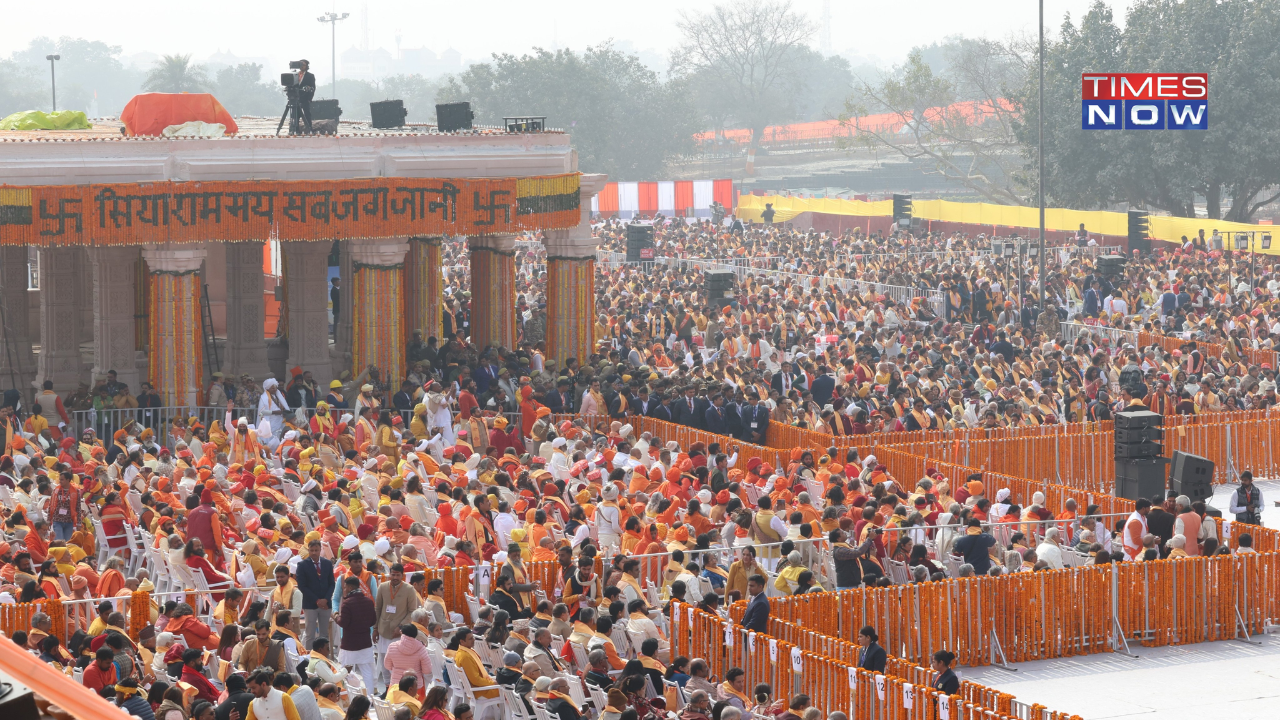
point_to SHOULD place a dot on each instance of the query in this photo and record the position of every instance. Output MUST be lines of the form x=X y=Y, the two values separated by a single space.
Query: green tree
x=745 y=60
x=89 y=70
x=1237 y=158
x=623 y=121
x=417 y=92
x=241 y=91
x=176 y=74
x=961 y=123
x=20 y=89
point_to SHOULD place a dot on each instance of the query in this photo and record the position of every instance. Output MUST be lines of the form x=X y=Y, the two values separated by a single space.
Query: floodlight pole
x=1044 y=300
x=53 y=79
x=332 y=18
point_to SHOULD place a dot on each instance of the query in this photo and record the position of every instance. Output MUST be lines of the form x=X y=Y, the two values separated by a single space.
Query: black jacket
x=873 y=658
x=947 y=682
x=758 y=415
x=661 y=412
x=315 y=583
x=757 y=615
x=823 y=387
x=559 y=707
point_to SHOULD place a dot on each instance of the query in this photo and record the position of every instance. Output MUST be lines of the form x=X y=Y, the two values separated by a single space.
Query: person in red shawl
x=194 y=634
x=204 y=524
x=69 y=456
x=114 y=516
x=193 y=553
x=193 y=675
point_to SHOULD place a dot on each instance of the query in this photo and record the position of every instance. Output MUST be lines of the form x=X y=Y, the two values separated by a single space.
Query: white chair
x=622 y=641
x=579 y=656
x=540 y=711
x=681 y=700
x=651 y=594
x=473 y=604
x=598 y=697
x=135 y=501
x=478 y=704
x=575 y=689
x=382 y=709
x=636 y=639
x=290 y=489
x=515 y=706
x=898 y=572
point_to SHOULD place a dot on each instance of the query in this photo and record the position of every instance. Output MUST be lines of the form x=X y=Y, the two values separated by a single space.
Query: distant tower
x=826 y=27
x=398 y=55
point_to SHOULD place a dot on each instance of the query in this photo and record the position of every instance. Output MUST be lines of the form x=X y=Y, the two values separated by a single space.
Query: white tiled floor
x=1212 y=680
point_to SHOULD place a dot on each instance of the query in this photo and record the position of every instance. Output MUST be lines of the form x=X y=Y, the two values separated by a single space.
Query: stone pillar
x=571 y=276
x=246 y=310
x=176 y=333
x=60 y=319
x=493 y=290
x=306 y=268
x=114 y=273
x=378 y=327
x=424 y=286
x=17 y=359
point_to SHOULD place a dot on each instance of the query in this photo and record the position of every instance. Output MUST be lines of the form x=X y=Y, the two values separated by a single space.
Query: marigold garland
x=139 y=612
x=250 y=210
x=57 y=617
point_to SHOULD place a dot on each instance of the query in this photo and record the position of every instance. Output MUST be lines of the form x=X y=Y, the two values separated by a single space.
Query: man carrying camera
x=1246 y=501
x=305 y=85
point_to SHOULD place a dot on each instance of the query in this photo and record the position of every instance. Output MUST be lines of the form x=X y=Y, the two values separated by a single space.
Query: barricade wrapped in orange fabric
x=151 y=113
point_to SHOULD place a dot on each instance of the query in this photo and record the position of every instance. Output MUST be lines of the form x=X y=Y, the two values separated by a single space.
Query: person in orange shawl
x=195 y=634
x=162 y=494
x=631 y=537
x=111 y=581
x=37 y=545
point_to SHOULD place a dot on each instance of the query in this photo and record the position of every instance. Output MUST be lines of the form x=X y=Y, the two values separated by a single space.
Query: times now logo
x=1144 y=101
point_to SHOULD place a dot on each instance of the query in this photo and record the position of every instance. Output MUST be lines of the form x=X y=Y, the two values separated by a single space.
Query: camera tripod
x=296 y=115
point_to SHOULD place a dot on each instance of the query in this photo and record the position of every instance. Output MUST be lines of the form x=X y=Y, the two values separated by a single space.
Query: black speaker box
x=1153 y=434
x=639 y=239
x=1192 y=475
x=1138 y=450
x=721 y=281
x=388 y=114
x=1140 y=478
x=325 y=110
x=451 y=117
x=1138 y=420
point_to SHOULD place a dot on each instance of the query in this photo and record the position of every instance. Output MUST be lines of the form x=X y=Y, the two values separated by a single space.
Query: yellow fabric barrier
x=1170 y=229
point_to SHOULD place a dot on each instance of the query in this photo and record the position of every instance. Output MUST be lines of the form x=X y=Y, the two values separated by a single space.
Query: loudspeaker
x=452 y=117
x=720 y=281
x=1140 y=435
x=1137 y=450
x=325 y=110
x=639 y=243
x=1192 y=476
x=1140 y=478
x=16 y=700
x=1110 y=264
x=1138 y=420
x=388 y=114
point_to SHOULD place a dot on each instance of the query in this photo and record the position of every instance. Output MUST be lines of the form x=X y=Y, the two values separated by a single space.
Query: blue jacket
x=760 y=416
x=315 y=583
x=757 y=616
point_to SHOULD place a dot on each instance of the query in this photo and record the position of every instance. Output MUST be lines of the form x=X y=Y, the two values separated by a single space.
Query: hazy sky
x=277 y=29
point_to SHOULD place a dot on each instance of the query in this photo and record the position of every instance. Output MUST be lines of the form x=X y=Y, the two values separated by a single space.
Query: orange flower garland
x=139 y=612
x=57 y=617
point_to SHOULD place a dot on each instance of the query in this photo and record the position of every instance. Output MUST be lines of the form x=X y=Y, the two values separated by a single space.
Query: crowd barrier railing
x=1028 y=616
x=799 y=661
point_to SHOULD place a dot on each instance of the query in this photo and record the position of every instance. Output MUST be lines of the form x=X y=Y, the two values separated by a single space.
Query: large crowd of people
x=315 y=519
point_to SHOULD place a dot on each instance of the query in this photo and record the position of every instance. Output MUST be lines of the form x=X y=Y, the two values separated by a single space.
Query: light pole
x=53 y=79
x=332 y=18
x=1044 y=300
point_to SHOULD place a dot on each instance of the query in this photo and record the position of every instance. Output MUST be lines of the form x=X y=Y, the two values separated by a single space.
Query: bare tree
x=748 y=52
x=962 y=121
